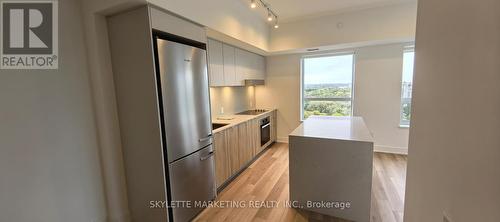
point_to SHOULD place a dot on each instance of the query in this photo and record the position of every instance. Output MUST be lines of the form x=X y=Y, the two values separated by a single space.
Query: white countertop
x=339 y=128
x=331 y=159
x=235 y=119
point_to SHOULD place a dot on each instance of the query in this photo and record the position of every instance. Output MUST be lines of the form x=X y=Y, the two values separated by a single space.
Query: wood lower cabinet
x=222 y=164
x=233 y=149
x=230 y=152
x=245 y=150
x=237 y=146
x=274 y=126
x=254 y=134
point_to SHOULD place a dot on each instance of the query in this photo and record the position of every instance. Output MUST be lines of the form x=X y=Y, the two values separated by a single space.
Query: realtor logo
x=29 y=35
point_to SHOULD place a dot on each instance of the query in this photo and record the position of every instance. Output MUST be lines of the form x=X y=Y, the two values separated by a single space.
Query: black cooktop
x=252 y=112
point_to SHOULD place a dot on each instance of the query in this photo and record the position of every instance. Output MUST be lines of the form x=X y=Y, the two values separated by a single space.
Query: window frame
x=406 y=123
x=331 y=54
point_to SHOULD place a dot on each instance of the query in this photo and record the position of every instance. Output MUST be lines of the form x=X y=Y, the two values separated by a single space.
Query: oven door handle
x=264 y=126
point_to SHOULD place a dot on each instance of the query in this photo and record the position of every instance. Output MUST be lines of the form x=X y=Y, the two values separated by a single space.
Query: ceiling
x=289 y=10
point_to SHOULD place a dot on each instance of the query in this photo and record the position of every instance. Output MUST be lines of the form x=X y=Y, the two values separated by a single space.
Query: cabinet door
x=233 y=151
x=274 y=126
x=255 y=126
x=257 y=136
x=242 y=66
x=252 y=66
x=245 y=150
x=222 y=164
x=229 y=65
x=260 y=67
x=251 y=131
x=215 y=63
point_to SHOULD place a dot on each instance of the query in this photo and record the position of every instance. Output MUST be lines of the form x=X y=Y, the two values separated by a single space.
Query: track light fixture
x=271 y=15
x=253 y=4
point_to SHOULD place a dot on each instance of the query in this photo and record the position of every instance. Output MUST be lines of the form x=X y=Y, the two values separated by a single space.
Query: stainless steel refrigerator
x=185 y=112
x=162 y=98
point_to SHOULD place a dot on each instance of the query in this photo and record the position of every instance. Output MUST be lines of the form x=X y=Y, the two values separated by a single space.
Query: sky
x=408 y=58
x=338 y=69
x=331 y=69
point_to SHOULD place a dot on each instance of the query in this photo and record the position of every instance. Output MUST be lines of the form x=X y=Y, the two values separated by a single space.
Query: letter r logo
x=29 y=37
x=27 y=28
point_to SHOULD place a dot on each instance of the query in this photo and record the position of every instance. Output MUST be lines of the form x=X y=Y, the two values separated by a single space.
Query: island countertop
x=331 y=159
x=340 y=128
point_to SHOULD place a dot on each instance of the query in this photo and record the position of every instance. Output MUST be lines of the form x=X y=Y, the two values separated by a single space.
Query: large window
x=406 y=88
x=327 y=85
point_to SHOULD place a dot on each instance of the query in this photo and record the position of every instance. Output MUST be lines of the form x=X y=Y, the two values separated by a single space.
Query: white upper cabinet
x=260 y=67
x=228 y=54
x=237 y=65
x=215 y=63
x=249 y=65
x=243 y=66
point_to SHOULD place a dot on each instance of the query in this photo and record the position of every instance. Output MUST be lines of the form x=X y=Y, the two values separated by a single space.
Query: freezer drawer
x=192 y=179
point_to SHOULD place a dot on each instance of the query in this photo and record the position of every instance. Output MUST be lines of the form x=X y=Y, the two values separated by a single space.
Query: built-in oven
x=265 y=131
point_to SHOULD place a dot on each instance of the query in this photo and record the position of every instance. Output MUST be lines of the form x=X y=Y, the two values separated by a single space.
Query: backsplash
x=231 y=99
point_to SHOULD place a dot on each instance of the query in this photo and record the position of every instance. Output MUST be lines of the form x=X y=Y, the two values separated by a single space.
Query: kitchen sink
x=218 y=125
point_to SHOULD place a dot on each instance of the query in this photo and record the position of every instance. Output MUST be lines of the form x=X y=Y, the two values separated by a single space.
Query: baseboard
x=390 y=149
x=282 y=139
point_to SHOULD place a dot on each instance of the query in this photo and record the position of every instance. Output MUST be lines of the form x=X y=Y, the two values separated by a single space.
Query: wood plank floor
x=267 y=180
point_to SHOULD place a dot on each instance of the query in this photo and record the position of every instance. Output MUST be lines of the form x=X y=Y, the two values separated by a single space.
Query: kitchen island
x=331 y=162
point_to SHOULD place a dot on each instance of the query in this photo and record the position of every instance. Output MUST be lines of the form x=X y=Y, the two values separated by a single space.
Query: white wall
x=231 y=17
x=282 y=91
x=103 y=93
x=376 y=24
x=454 y=154
x=231 y=99
x=376 y=97
x=49 y=162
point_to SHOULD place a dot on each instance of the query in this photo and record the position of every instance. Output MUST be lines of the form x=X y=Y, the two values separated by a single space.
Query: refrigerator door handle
x=205 y=139
x=207 y=156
